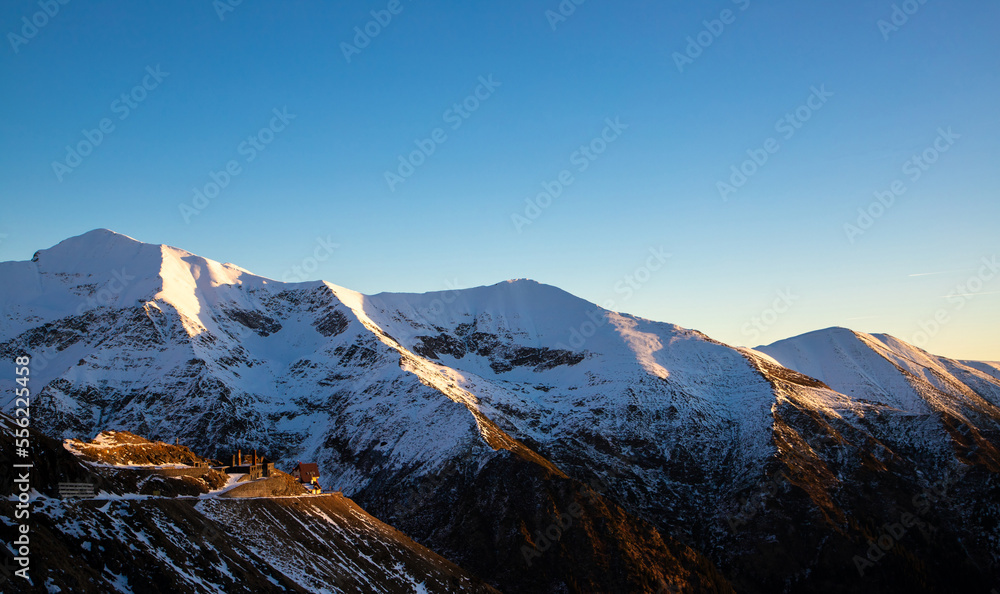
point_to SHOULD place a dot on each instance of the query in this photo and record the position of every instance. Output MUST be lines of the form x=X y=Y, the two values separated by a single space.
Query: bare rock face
x=277 y=485
x=472 y=419
x=121 y=448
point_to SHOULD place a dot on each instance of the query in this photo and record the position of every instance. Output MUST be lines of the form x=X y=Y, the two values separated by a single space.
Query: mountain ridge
x=101 y=239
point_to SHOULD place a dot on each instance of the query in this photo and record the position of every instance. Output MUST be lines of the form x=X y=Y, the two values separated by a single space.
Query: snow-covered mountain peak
x=527 y=312
x=883 y=369
x=96 y=252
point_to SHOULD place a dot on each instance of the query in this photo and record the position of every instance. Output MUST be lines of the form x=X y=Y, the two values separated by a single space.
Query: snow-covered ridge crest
x=882 y=369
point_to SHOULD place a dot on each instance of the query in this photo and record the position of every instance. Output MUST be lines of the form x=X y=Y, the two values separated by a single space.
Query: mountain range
x=534 y=439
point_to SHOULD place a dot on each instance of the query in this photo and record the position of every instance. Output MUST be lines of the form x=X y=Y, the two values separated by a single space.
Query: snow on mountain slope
x=186 y=347
x=844 y=360
x=942 y=405
x=885 y=370
x=991 y=368
x=76 y=275
x=535 y=349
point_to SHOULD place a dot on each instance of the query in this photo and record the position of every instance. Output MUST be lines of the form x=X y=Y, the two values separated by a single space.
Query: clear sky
x=837 y=103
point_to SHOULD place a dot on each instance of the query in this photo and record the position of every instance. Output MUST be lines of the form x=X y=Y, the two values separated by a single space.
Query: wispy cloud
x=969 y=294
x=934 y=273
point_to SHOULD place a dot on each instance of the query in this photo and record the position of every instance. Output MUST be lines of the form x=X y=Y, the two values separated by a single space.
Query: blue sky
x=771 y=260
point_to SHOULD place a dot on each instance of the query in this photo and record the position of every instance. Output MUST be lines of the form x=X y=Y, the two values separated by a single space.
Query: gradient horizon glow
x=634 y=118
